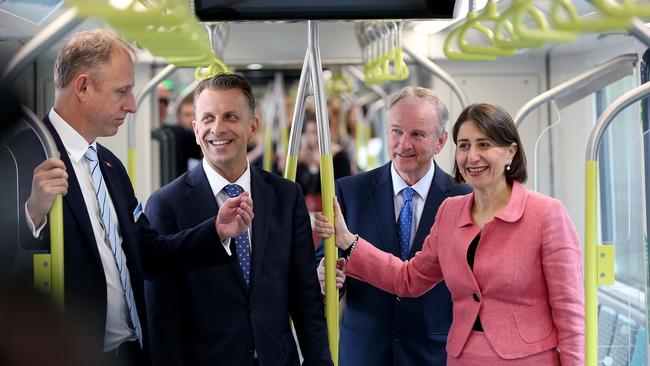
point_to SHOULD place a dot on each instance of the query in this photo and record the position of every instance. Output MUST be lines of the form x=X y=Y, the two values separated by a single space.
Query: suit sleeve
x=389 y=273
x=163 y=294
x=305 y=300
x=562 y=265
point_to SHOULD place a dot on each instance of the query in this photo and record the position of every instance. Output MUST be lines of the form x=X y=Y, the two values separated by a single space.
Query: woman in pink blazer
x=510 y=257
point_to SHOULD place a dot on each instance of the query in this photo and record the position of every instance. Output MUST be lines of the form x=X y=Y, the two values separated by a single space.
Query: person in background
x=188 y=153
x=399 y=331
x=236 y=314
x=511 y=257
x=109 y=244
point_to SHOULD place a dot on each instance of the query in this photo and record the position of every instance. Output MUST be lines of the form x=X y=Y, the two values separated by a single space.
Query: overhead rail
x=595 y=267
x=440 y=73
x=640 y=31
x=565 y=16
x=581 y=85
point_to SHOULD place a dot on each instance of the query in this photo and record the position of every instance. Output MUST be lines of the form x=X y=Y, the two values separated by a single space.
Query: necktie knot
x=407 y=193
x=91 y=154
x=233 y=190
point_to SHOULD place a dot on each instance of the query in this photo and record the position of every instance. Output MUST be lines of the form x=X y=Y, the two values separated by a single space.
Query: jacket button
x=396 y=339
x=398 y=299
x=476 y=298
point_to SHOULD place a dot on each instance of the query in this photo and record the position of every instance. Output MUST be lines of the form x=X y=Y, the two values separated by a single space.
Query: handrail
x=151 y=85
x=54 y=270
x=440 y=73
x=40 y=42
x=591 y=215
x=615 y=67
x=297 y=121
x=361 y=77
x=640 y=31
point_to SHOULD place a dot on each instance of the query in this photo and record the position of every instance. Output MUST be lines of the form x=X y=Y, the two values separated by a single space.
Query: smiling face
x=223 y=126
x=412 y=137
x=108 y=95
x=479 y=160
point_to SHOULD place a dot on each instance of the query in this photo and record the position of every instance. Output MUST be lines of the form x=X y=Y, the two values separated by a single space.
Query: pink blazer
x=527 y=281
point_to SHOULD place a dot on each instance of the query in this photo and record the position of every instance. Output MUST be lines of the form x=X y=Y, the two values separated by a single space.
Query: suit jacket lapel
x=383 y=205
x=262 y=194
x=437 y=193
x=200 y=196
x=74 y=200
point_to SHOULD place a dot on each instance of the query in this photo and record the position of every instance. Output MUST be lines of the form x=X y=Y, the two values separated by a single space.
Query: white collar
x=74 y=143
x=421 y=187
x=217 y=181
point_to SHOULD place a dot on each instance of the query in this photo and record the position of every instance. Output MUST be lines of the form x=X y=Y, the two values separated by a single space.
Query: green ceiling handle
x=572 y=20
x=543 y=31
x=626 y=8
x=452 y=54
x=504 y=27
x=490 y=14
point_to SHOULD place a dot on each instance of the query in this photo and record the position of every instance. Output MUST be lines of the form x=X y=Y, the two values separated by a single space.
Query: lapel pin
x=108 y=165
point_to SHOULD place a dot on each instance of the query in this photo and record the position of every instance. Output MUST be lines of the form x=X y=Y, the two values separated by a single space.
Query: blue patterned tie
x=242 y=243
x=405 y=222
x=111 y=235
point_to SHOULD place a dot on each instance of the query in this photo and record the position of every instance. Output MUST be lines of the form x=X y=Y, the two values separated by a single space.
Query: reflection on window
x=35 y=11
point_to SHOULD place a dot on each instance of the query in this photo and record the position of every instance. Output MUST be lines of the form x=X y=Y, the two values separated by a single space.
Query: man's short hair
x=429 y=96
x=86 y=51
x=228 y=81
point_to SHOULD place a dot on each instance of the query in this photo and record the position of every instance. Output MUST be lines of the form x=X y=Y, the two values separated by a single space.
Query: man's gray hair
x=86 y=51
x=429 y=96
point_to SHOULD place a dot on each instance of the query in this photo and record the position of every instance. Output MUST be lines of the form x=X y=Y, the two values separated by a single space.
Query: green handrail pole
x=56 y=251
x=146 y=90
x=291 y=165
x=591 y=221
x=327 y=189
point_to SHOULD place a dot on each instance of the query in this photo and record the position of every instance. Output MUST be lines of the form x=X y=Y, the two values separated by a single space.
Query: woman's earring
x=508 y=167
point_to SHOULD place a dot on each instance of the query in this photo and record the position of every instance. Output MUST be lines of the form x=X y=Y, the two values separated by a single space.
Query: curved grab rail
x=591 y=215
x=613 y=69
x=151 y=85
x=440 y=73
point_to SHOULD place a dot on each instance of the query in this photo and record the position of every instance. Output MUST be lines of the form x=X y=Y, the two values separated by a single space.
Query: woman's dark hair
x=499 y=127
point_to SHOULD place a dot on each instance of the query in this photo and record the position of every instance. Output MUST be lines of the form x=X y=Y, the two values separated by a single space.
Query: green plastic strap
x=56 y=251
x=291 y=168
x=504 y=31
x=565 y=16
x=43 y=273
x=453 y=54
x=629 y=8
x=543 y=32
x=474 y=22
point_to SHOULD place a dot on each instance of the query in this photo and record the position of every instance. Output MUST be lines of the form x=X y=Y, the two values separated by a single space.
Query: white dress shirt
x=217 y=183
x=419 y=198
x=117 y=326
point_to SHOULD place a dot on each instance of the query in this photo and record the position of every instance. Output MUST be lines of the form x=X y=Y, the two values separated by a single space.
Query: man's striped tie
x=111 y=235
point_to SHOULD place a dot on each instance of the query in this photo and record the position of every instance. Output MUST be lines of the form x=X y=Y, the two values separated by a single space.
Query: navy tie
x=111 y=236
x=405 y=223
x=242 y=243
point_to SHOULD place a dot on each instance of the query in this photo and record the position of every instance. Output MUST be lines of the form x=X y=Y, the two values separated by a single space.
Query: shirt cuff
x=226 y=245
x=36 y=232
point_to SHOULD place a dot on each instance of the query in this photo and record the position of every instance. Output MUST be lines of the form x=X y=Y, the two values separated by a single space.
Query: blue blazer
x=207 y=316
x=146 y=252
x=378 y=328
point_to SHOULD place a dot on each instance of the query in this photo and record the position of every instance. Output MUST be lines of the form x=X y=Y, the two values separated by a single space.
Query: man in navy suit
x=378 y=328
x=236 y=314
x=109 y=245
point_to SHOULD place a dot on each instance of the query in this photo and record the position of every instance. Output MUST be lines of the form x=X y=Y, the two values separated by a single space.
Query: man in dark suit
x=378 y=328
x=236 y=314
x=109 y=245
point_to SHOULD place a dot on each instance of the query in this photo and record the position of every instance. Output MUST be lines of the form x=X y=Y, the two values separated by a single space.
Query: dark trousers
x=127 y=354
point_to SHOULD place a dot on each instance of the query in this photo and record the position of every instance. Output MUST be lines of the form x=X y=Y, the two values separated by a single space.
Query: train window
x=213 y=10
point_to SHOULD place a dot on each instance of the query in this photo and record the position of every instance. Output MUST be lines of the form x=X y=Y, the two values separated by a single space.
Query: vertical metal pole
x=327 y=189
x=297 y=121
